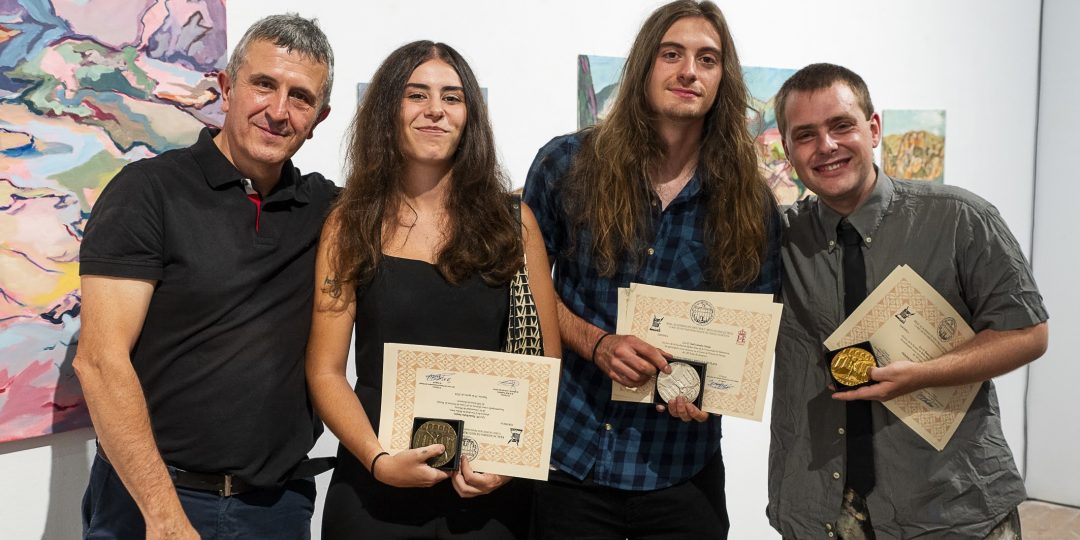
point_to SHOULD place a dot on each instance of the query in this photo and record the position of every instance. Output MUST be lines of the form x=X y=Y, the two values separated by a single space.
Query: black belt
x=228 y=485
x=225 y=485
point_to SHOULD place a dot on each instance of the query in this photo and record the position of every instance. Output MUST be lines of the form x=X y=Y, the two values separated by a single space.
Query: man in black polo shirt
x=197 y=284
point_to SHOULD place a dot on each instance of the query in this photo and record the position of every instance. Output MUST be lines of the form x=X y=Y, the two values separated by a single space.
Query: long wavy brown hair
x=484 y=236
x=608 y=191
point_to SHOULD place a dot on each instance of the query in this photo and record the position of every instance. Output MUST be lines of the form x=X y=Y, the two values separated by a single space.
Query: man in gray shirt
x=840 y=464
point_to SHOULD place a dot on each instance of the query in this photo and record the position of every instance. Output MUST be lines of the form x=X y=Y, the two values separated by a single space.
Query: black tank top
x=409 y=301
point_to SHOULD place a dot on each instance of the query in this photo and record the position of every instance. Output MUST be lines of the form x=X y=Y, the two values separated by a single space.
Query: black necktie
x=860 y=442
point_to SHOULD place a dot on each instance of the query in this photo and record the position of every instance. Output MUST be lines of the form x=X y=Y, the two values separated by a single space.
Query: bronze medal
x=437 y=432
x=851 y=366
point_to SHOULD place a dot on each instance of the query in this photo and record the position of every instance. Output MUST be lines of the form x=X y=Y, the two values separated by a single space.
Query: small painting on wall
x=763 y=84
x=913 y=144
x=598 y=83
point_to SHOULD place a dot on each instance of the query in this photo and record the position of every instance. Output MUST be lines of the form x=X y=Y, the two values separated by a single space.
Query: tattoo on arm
x=332 y=287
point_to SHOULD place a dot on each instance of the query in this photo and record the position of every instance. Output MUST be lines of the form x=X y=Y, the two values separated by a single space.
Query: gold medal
x=437 y=432
x=851 y=366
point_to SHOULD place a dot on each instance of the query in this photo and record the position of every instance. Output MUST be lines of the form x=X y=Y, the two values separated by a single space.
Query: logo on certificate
x=469 y=448
x=904 y=314
x=515 y=437
x=740 y=338
x=702 y=312
x=655 y=326
x=946 y=329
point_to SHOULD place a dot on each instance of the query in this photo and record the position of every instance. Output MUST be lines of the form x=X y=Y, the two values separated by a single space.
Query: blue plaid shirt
x=625 y=445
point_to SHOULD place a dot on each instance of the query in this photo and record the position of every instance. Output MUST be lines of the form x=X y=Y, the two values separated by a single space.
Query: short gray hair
x=296 y=34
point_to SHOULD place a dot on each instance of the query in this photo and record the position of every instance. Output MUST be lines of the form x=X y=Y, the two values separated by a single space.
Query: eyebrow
x=678 y=45
x=828 y=121
x=426 y=87
x=259 y=76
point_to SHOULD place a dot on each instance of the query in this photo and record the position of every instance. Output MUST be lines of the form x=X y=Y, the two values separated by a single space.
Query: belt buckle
x=227 y=491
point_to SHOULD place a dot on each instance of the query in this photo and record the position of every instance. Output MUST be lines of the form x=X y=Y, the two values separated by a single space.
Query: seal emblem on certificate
x=731 y=335
x=497 y=409
x=469 y=448
x=702 y=312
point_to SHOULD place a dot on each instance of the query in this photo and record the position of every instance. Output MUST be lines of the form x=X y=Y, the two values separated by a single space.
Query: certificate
x=734 y=334
x=507 y=403
x=904 y=318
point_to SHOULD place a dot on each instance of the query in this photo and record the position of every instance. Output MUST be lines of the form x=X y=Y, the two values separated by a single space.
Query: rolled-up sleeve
x=996 y=279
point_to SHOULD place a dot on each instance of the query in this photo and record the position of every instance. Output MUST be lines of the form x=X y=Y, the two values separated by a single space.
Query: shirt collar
x=219 y=171
x=866 y=219
x=692 y=188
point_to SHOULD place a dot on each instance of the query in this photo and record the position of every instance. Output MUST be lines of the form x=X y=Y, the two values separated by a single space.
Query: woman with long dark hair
x=420 y=248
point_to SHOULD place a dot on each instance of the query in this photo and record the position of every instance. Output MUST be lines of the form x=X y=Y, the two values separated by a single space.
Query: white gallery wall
x=980 y=64
x=1053 y=418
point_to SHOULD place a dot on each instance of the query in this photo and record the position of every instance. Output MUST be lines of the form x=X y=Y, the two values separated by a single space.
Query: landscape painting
x=913 y=144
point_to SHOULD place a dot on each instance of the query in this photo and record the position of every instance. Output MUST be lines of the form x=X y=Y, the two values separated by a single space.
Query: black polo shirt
x=221 y=354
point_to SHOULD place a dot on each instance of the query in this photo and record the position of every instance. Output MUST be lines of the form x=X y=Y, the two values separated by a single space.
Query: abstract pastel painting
x=85 y=87
x=913 y=144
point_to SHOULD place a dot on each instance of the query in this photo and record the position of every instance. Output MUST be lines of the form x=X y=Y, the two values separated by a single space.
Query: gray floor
x=1045 y=521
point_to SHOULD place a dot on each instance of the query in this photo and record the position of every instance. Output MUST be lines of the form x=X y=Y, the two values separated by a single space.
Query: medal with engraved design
x=850 y=366
x=687 y=379
x=437 y=432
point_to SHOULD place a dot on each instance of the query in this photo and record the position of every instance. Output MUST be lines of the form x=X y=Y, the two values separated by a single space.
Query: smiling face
x=687 y=70
x=830 y=142
x=271 y=108
x=433 y=113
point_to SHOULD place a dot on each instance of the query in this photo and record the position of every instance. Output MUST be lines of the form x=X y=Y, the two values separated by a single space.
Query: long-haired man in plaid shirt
x=665 y=191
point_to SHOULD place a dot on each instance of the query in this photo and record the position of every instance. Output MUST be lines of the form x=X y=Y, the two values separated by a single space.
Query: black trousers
x=566 y=508
x=360 y=507
x=109 y=512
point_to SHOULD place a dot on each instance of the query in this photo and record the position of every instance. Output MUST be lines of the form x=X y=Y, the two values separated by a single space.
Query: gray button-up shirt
x=961 y=246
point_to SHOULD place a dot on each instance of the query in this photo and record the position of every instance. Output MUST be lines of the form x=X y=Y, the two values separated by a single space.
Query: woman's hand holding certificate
x=496 y=411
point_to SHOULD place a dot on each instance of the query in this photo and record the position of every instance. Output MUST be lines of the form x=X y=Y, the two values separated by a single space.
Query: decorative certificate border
x=541 y=373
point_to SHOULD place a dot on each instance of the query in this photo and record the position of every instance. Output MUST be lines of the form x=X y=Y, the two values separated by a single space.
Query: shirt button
x=832 y=243
x=836 y=475
x=607 y=427
x=831 y=534
x=840 y=431
x=828 y=526
x=654 y=204
x=651 y=251
x=867 y=239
